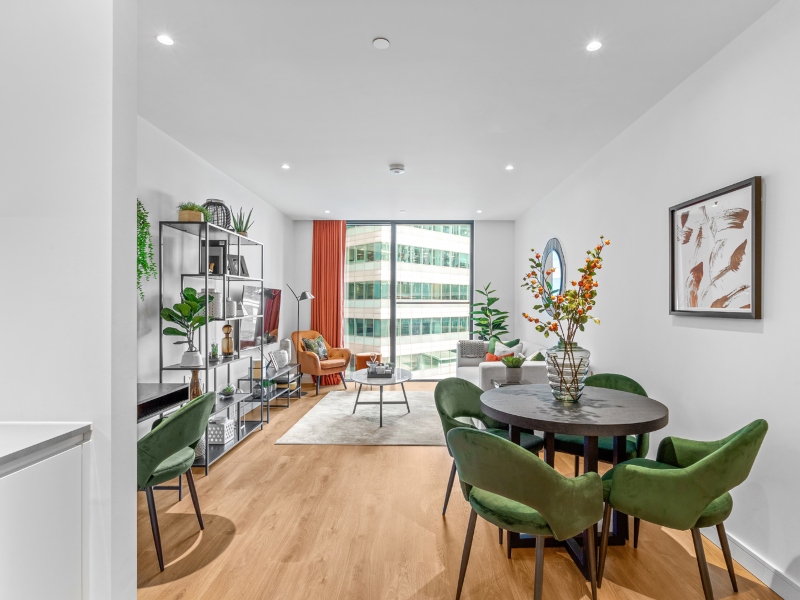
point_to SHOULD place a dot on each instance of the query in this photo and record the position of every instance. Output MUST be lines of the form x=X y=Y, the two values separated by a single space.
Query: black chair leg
x=317 y=385
x=343 y=381
x=508 y=544
x=592 y=561
x=449 y=486
x=473 y=516
x=636 y=521
x=151 y=507
x=604 y=543
x=726 y=552
x=538 y=576
x=500 y=532
x=195 y=501
x=697 y=538
x=577 y=465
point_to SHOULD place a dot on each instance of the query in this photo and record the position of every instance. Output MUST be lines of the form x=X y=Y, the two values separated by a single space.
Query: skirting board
x=761 y=569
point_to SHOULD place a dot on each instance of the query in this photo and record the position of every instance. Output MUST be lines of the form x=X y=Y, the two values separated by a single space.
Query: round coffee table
x=398 y=377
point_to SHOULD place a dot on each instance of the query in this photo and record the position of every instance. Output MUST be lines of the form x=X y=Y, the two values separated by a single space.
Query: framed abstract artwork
x=715 y=253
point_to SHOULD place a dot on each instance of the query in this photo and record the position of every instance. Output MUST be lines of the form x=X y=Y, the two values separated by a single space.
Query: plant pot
x=192 y=359
x=513 y=374
x=567 y=368
x=190 y=216
x=244 y=233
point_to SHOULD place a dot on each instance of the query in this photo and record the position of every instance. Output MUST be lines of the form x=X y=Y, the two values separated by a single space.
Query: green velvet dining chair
x=517 y=491
x=457 y=399
x=686 y=487
x=167 y=452
x=635 y=447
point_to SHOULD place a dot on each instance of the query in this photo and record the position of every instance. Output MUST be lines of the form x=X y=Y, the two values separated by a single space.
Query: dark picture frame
x=243 y=267
x=217 y=255
x=715 y=253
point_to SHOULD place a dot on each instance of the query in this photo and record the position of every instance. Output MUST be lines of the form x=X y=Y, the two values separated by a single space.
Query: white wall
x=168 y=174
x=735 y=117
x=67 y=153
x=494 y=262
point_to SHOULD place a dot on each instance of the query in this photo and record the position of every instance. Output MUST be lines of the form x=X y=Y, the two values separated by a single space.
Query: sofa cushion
x=469 y=373
x=494 y=340
x=332 y=363
x=501 y=349
x=317 y=346
x=495 y=358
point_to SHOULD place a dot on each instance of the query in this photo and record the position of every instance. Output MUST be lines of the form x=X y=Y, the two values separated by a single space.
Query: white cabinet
x=42 y=510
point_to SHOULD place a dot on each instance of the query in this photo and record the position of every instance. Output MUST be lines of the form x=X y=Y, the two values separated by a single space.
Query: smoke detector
x=397 y=169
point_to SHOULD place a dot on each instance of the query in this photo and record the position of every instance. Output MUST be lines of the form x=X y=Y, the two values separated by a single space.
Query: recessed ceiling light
x=165 y=39
x=397 y=169
x=285 y=166
x=402 y=211
x=509 y=167
x=327 y=212
x=380 y=43
x=594 y=46
x=480 y=211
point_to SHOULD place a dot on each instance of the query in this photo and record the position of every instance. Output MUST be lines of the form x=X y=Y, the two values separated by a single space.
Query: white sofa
x=481 y=373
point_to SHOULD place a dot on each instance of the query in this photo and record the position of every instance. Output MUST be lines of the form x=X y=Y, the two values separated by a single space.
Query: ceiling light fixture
x=509 y=167
x=165 y=39
x=594 y=46
x=480 y=211
x=285 y=166
x=380 y=43
x=327 y=212
x=402 y=211
x=397 y=169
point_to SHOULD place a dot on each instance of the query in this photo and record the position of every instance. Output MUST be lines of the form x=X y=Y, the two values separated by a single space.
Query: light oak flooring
x=365 y=522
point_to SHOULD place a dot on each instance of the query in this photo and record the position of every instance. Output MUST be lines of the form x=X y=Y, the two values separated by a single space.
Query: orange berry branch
x=570 y=309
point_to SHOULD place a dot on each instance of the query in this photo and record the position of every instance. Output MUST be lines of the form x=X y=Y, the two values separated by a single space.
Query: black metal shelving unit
x=242 y=405
x=290 y=374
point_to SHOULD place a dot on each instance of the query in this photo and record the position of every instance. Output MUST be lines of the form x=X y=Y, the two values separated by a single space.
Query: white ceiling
x=466 y=88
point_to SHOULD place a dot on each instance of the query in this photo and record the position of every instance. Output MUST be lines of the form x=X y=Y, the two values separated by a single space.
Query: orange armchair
x=338 y=358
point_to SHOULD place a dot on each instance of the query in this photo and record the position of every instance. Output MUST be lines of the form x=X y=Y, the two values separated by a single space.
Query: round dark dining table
x=600 y=412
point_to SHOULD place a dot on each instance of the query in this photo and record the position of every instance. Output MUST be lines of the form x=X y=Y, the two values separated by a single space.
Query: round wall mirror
x=554 y=259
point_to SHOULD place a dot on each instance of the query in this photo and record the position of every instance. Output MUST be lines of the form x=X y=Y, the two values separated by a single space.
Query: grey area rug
x=331 y=421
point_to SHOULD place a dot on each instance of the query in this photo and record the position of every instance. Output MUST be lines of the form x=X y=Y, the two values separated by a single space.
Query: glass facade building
x=432 y=293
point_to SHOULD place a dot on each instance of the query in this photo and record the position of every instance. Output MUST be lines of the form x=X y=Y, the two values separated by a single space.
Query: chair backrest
x=730 y=464
x=458 y=398
x=297 y=339
x=493 y=464
x=622 y=383
x=182 y=429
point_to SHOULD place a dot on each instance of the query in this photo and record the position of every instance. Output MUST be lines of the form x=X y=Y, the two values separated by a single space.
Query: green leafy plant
x=214 y=350
x=488 y=321
x=145 y=256
x=241 y=223
x=188 y=315
x=197 y=208
x=513 y=362
x=228 y=390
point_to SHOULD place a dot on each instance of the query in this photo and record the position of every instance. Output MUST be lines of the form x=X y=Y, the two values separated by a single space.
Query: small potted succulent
x=241 y=223
x=193 y=213
x=226 y=391
x=513 y=368
x=213 y=356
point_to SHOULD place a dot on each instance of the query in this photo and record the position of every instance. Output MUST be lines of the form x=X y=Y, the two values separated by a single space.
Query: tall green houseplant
x=489 y=322
x=145 y=256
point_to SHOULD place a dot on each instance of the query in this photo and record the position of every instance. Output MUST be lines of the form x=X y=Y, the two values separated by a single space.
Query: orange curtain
x=327 y=285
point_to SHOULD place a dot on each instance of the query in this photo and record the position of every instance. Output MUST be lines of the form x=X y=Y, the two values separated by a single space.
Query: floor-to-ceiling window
x=411 y=305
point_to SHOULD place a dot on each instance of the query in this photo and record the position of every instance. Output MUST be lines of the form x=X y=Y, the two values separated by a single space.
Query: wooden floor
x=364 y=522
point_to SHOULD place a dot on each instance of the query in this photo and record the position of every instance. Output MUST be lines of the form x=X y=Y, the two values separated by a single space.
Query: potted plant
x=489 y=322
x=145 y=256
x=227 y=390
x=567 y=363
x=241 y=223
x=513 y=368
x=214 y=354
x=193 y=213
x=188 y=315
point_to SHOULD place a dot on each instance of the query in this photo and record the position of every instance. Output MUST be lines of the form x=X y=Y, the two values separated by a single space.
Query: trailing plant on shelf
x=241 y=223
x=193 y=207
x=188 y=315
x=145 y=256
x=570 y=313
x=489 y=322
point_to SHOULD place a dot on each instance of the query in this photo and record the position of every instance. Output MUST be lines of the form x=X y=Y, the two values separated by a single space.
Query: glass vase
x=567 y=368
